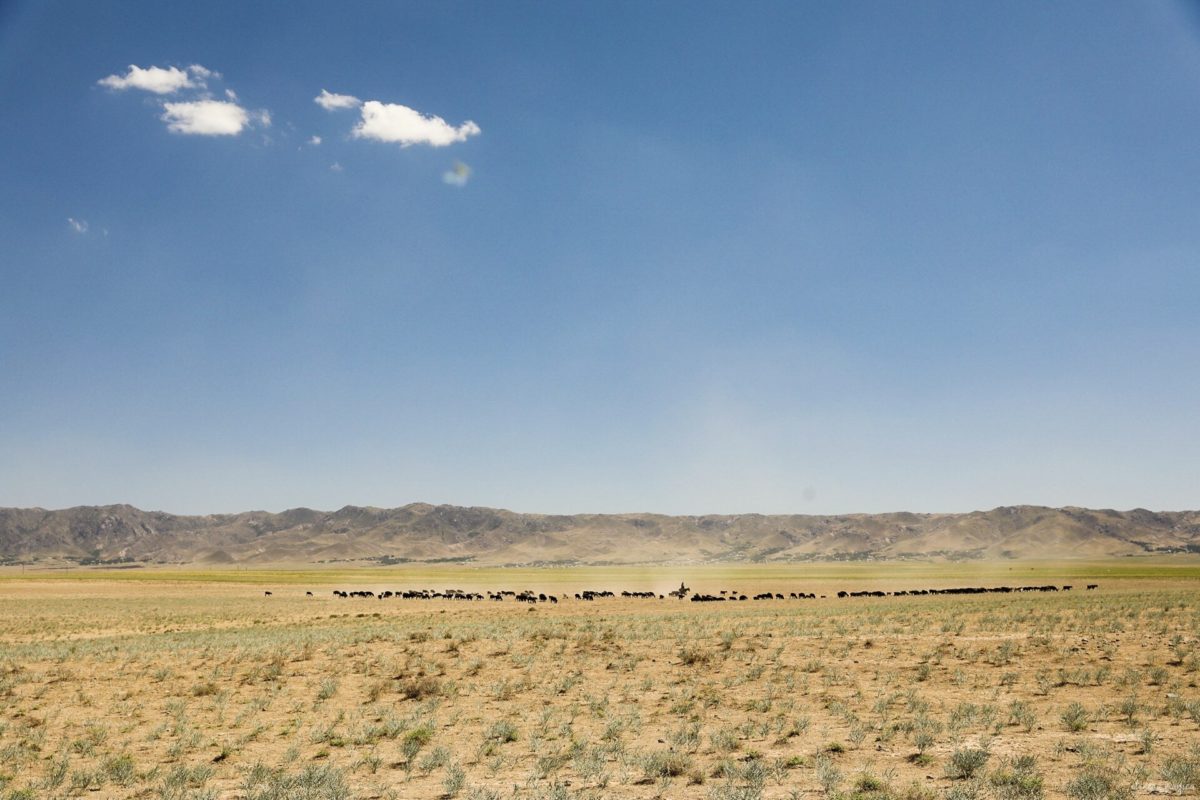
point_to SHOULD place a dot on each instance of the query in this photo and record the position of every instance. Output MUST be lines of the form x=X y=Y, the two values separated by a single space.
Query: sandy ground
x=165 y=687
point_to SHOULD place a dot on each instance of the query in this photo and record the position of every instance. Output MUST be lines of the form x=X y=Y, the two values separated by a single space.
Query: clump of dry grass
x=419 y=687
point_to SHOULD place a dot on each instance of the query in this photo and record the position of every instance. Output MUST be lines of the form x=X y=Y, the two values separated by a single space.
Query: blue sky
x=708 y=257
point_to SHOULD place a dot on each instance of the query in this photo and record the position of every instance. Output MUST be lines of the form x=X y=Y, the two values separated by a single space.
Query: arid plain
x=197 y=684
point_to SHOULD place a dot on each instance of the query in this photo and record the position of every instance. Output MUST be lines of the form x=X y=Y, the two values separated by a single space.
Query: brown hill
x=421 y=532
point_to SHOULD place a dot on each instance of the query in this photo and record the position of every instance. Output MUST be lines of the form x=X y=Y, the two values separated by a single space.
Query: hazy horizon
x=586 y=512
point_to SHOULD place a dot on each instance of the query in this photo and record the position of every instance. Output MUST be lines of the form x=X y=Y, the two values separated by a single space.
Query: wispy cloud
x=458 y=175
x=159 y=80
x=211 y=118
x=314 y=140
x=332 y=102
x=78 y=225
x=395 y=123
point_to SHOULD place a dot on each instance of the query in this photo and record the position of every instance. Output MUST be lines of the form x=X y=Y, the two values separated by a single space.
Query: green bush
x=1076 y=717
x=966 y=762
x=1099 y=783
x=1018 y=780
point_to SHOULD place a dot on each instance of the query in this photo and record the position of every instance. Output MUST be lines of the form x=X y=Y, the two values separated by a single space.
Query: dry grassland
x=170 y=685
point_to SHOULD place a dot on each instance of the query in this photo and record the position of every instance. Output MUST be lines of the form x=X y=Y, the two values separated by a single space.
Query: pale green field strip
x=862 y=575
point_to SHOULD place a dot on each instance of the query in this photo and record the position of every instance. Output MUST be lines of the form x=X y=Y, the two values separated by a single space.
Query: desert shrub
x=1129 y=708
x=312 y=783
x=665 y=764
x=724 y=740
x=925 y=732
x=121 y=769
x=328 y=689
x=181 y=781
x=1075 y=717
x=869 y=784
x=414 y=740
x=1182 y=772
x=56 y=772
x=455 y=780
x=438 y=757
x=967 y=790
x=1019 y=713
x=916 y=791
x=685 y=738
x=590 y=763
x=420 y=688
x=1018 y=780
x=1098 y=782
x=828 y=775
x=371 y=761
x=966 y=762
x=694 y=656
x=502 y=731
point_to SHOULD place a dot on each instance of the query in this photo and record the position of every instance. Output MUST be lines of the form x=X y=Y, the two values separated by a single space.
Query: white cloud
x=157 y=79
x=458 y=175
x=331 y=102
x=206 y=118
x=79 y=225
x=197 y=114
x=335 y=167
x=314 y=140
x=391 y=122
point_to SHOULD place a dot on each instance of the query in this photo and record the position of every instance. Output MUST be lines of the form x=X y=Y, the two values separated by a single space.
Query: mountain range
x=419 y=532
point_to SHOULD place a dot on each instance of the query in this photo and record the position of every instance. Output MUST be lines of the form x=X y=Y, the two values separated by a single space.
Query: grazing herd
x=960 y=590
x=735 y=595
x=529 y=596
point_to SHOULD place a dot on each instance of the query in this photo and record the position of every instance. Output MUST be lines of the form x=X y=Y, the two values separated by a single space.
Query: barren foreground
x=162 y=687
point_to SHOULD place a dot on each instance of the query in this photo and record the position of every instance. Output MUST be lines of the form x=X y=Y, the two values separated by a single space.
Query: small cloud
x=200 y=114
x=314 y=140
x=458 y=175
x=79 y=225
x=335 y=167
x=332 y=102
x=206 y=118
x=395 y=123
x=157 y=79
